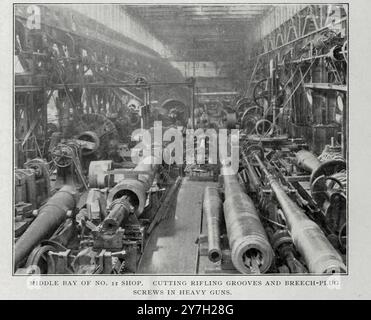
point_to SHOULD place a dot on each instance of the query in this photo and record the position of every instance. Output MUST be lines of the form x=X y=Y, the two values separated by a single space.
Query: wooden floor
x=172 y=246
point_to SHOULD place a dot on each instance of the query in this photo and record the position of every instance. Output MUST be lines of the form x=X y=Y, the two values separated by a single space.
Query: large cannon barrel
x=309 y=162
x=212 y=208
x=136 y=185
x=311 y=242
x=250 y=248
x=49 y=218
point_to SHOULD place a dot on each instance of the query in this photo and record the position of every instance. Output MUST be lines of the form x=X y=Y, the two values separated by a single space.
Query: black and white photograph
x=178 y=150
x=180 y=139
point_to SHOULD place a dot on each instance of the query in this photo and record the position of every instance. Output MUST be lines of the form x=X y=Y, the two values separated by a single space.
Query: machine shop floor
x=172 y=247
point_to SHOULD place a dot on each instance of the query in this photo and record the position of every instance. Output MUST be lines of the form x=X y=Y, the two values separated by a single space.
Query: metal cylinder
x=98 y=173
x=212 y=208
x=319 y=255
x=253 y=178
x=136 y=187
x=307 y=160
x=49 y=218
x=250 y=248
x=118 y=211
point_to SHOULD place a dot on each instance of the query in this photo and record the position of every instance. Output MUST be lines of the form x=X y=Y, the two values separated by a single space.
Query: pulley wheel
x=260 y=92
x=328 y=168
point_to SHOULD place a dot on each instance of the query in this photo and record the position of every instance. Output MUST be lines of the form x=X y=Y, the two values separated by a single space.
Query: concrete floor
x=172 y=246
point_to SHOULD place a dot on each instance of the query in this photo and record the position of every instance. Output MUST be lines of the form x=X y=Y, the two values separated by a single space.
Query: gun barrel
x=250 y=248
x=254 y=180
x=49 y=218
x=212 y=208
x=136 y=187
x=119 y=210
x=311 y=242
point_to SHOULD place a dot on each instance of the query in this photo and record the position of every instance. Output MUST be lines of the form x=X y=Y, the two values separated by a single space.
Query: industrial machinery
x=250 y=249
x=285 y=212
x=293 y=148
x=48 y=219
x=213 y=113
x=32 y=189
x=290 y=221
x=84 y=206
x=86 y=88
x=106 y=231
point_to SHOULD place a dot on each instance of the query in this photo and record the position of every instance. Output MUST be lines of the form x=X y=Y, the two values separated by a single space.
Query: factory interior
x=180 y=139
